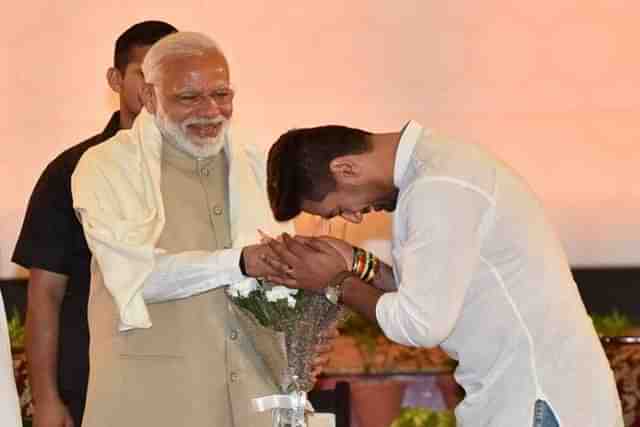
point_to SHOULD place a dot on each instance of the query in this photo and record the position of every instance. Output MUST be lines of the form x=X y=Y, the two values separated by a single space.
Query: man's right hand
x=344 y=248
x=51 y=413
x=255 y=264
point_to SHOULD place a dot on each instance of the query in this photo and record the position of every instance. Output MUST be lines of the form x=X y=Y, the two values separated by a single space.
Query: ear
x=345 y=168
x=114 y=78
x=149 y=98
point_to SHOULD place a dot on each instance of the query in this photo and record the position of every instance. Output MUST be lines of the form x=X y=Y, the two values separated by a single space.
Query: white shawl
x=116 y=193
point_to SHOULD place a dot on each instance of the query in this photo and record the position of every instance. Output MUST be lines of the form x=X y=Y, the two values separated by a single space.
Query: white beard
x=196 y=147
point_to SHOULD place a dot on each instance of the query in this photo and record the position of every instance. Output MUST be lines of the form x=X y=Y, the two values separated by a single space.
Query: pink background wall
x=551 y=86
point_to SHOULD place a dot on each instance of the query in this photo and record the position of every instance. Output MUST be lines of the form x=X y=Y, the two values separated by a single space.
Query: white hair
x=176 y=45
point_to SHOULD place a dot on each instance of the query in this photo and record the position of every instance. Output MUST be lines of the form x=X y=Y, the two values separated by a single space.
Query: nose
x=209 y=107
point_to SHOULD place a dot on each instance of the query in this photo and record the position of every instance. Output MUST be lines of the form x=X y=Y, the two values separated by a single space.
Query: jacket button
x=234 y=377
x=233 y=335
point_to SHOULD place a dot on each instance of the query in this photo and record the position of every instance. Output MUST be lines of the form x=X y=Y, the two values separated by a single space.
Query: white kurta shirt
x=480 y=272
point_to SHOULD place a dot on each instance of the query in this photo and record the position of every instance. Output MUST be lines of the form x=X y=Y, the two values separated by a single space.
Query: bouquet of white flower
x=284 y=325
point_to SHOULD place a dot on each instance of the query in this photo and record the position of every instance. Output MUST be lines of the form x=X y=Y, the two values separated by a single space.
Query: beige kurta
x=193 y=367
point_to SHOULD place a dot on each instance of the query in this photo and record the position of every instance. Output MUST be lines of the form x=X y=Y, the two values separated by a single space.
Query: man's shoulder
x=68 y=159
x=439 y=157
x=71 y=155
x=114 y=151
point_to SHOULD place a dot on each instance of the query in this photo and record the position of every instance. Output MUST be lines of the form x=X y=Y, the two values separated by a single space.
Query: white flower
x=243 y=288
x=281 y=292
x=291 y=301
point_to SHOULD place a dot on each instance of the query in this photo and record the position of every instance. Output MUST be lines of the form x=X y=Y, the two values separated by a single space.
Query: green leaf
x=16 y=329
x=612 y=324
x=424 y=417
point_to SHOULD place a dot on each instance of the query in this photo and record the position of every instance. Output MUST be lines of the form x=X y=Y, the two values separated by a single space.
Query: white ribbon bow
x=295 y=401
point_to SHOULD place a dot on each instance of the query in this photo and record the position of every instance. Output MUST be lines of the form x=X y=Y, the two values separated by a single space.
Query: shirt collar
x=409 y=136
x=113 y=126
x=184 y=162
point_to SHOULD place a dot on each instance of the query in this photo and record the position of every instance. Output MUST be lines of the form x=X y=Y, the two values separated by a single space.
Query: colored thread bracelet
x=360 y=262
x=365 y=264
x=373 y=270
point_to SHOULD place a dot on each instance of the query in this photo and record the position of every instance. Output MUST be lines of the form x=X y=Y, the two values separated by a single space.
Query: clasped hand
x=307 y=262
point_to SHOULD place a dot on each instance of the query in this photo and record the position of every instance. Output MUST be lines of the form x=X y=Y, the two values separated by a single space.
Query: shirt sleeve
x=122 y=244
x=434 y=262
x=185 y=274
x=46 y=237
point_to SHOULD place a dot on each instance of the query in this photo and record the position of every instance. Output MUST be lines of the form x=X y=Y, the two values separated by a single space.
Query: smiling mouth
x=205 y=130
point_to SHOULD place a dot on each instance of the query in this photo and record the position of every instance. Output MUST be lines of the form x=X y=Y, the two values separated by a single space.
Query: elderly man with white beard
x=170 y=210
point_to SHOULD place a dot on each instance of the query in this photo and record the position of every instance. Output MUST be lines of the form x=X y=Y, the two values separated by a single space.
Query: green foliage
x=379 y=354
x=365 y=332
x=16 y=329
x=612 y=324
x=366 y=335
x=269 y=314
x=423 y=417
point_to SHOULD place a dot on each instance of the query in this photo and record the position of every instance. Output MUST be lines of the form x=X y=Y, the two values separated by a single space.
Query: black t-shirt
x=52 y=239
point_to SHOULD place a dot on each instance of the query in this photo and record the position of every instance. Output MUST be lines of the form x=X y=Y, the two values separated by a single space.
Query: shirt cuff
x=231 y=257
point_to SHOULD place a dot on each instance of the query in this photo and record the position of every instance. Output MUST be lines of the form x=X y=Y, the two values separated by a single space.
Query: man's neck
x=385 y=147
x=192 y=151
x=126 y=118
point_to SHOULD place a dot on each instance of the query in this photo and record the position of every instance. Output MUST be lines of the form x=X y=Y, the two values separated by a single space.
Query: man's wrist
x=333 y=291
x=242 y=264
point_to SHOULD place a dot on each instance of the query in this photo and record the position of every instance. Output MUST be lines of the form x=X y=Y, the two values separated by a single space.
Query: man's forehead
x=211 y=66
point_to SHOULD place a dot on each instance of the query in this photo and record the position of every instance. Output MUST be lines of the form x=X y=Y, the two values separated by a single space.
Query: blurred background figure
x=9 y=407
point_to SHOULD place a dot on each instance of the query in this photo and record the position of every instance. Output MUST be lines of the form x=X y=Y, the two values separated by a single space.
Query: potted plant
x=621 y=341
x=16 y=338
x=16 y=331
x=424 y=417
x=367 y=340
x=613 y=324
x=364 y=335
x=363 y=350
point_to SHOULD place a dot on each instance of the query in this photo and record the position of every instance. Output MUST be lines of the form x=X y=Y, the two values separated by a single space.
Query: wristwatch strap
x=333 y=291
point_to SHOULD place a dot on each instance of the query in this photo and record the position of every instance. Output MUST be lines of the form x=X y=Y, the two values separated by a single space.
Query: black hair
x=143 y=33
x=298 y=167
